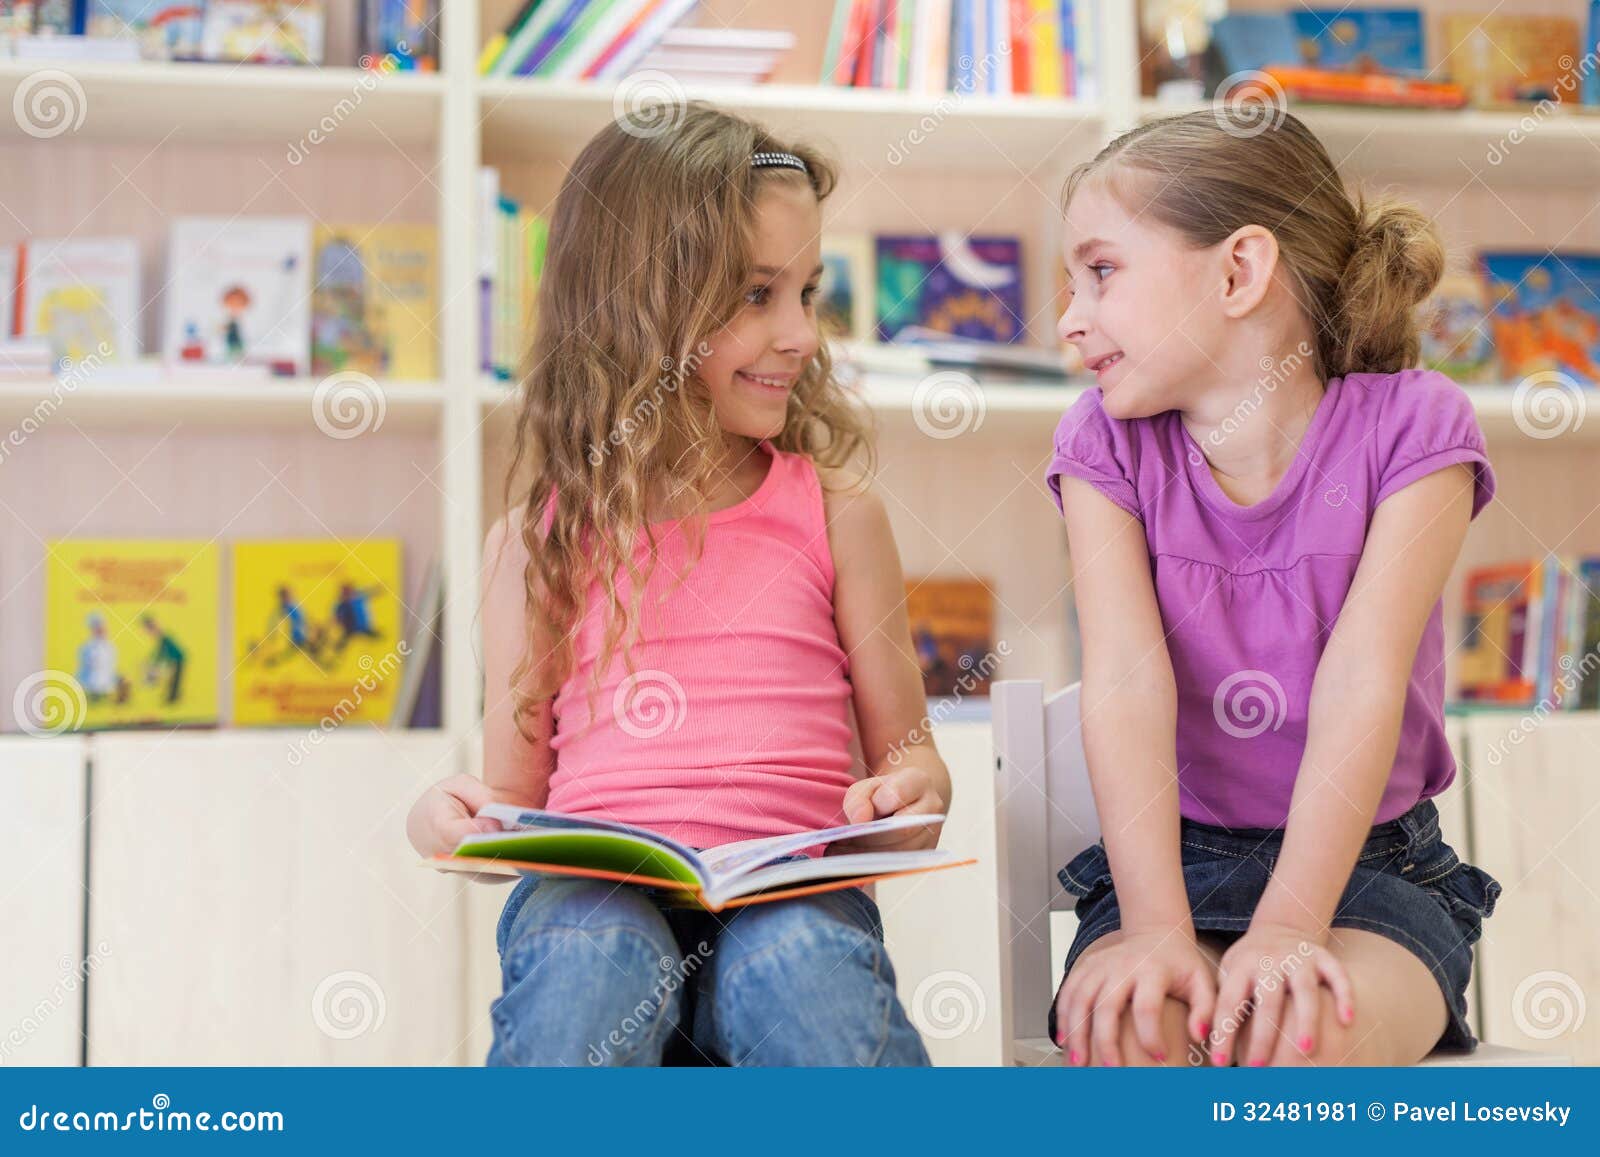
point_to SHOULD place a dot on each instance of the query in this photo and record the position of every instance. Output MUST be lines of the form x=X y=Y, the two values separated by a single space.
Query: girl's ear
x=1249 y=259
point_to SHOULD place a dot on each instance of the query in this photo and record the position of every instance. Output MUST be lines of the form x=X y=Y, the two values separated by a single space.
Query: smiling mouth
x=771 y=381
x=1104 y=362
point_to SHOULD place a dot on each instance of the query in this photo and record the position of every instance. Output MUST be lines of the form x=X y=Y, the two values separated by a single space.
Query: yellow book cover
x=316 y=629
x=131 y=631
x=374 y=310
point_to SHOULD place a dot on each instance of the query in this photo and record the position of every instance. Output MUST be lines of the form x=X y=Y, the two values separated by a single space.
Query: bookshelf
x=157 y=140
x=204 y=459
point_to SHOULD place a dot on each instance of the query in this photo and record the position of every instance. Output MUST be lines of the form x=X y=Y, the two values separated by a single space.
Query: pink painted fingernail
x=1160 y=1058
x=1305 y=1044
x=1218 y=1058
x=1074 y=1057
x=1205 y=1028
x=1256 y=1064
x=1347 y=1014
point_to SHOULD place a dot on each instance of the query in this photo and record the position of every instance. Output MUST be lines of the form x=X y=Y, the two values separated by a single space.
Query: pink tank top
x=735 y=723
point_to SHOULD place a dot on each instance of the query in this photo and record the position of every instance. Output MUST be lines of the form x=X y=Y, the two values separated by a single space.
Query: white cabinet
x=43 y=970
x=1535 y=808
x=260 y=904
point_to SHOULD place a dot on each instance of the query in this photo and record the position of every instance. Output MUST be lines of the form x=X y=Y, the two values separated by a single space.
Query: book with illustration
x=239 y=291
x=317 y=631
x=163 y=30
x=537 y=842
x=952 y=629
x=1457 y=339
x=1502 y=58
x=82 y=296
x=374 y=306
x=133 y=625
x=264 y=31
x=950 y=285
x=1545 y=312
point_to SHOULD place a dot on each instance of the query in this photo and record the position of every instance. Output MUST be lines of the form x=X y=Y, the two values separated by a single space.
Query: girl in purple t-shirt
x=1263 y=502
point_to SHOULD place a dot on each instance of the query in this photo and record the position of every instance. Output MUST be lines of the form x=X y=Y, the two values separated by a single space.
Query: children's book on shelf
x=1362 y=40
x=417 y=703
x=134 y=624
x=264 y=31
x=719 y=55
x=405 y=32
x=952 y=630
x=82 y=296
x=1010 y=47
x=512 y=244
x=1457 y=339
x=374 y=308
x=162 y=29
x=731 y=875
x=572 y=39
x=1499 y=647
x=239 y=291
x=968 y=287
x=845 y=293
x=316 y=628
x=1545 y=313
x=1502 y=57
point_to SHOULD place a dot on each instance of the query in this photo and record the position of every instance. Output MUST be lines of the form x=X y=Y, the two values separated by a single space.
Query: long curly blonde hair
x=649 y=257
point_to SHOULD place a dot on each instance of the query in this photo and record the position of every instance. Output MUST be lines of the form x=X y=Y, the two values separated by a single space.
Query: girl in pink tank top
x=693 y=601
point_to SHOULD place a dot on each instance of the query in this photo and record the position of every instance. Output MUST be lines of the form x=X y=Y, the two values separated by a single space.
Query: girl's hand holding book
x=908 y=790
x=445 y=813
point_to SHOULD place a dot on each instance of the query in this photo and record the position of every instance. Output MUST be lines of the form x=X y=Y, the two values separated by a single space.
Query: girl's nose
x=1071 y=327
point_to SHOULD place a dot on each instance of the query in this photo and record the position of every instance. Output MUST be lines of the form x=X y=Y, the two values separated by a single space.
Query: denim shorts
x=1408 y=886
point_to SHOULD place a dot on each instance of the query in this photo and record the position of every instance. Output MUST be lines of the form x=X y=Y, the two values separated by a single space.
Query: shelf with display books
x=184 y=102
x=1502 y=147
x=149 y=400
x=545 y=120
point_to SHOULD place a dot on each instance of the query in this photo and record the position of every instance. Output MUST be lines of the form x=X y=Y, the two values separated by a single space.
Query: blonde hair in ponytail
x=1359 y=269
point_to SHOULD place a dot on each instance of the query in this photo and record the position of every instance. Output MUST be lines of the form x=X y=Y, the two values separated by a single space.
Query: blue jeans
x=596 y=973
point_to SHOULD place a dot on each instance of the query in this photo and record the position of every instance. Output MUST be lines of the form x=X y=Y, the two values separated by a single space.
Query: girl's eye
x=758 y=295
x=808 y=295
x=1098 y=266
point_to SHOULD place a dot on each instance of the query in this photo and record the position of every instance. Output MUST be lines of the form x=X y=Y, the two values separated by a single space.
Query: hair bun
x=1395 y=262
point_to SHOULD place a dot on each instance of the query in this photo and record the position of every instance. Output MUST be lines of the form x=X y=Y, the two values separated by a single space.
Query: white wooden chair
x=1046 y=815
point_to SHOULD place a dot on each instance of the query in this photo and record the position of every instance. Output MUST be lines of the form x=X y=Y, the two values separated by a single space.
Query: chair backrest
x=1045 y=815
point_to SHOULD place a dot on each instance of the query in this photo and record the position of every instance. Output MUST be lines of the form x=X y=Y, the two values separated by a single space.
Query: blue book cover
x=965 y=287
x=961 y=62
x=1591 y=44
x=1386 y=40
x=1249 y=41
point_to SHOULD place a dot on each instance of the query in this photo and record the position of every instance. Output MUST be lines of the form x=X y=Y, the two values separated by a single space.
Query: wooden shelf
x=541 y=120
x=1450 y=147
x=284 y=404
x=219 y=103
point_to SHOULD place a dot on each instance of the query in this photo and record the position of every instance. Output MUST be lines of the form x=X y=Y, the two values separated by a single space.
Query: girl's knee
x=1177 y=1050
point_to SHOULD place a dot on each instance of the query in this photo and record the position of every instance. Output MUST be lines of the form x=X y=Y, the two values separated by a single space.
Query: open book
x=548 y=843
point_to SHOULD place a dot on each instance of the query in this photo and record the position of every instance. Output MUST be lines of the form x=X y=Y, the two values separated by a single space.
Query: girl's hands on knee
x=444 y=814
x=1259 y=973
x=1138 y=972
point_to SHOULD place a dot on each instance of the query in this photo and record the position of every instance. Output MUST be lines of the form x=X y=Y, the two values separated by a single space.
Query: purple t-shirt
x=1249 y=594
